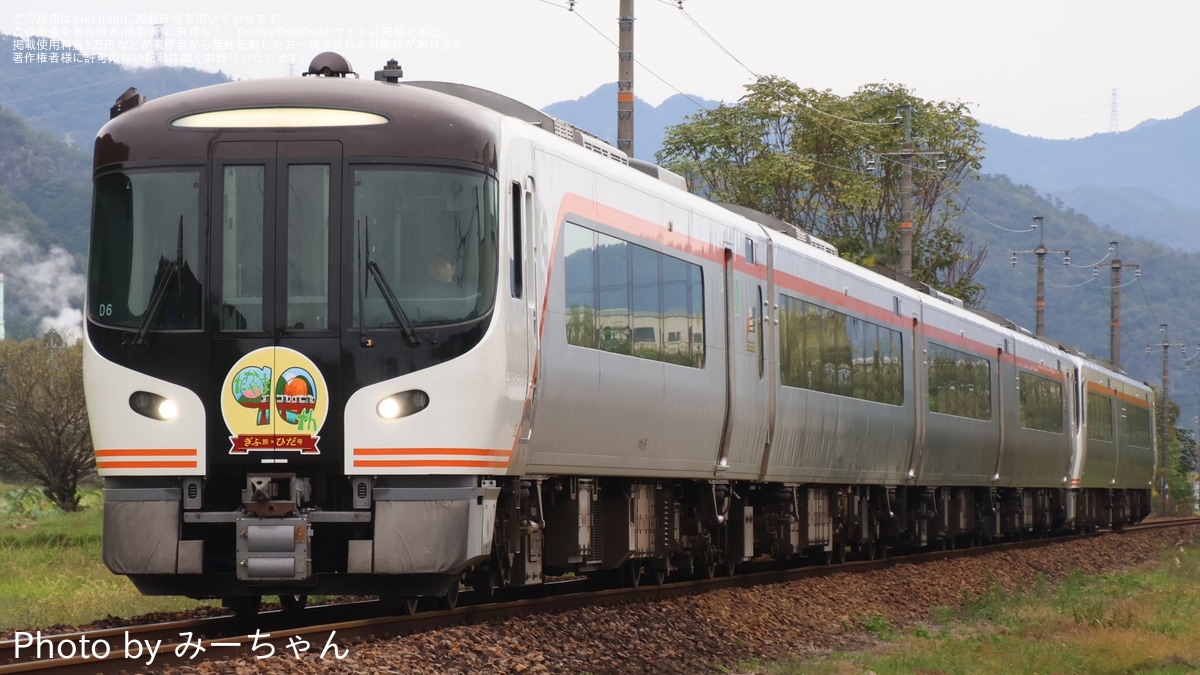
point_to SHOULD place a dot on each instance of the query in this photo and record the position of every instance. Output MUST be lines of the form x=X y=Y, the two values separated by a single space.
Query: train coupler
x=274 y=495
x=274 y=549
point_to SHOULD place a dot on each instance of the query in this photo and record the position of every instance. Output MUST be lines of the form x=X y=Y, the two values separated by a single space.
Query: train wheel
x=728 y=567
x=293 y=603
x=839 y=553
x=450 y=599
x=399 y=603
x=705 y=567
x=245 y=606
x=659 y=576
x=484 y=581
x=633 y=573
x=881 y=550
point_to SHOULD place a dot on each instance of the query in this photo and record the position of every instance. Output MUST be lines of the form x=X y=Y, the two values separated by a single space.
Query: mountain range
x=1131 y=187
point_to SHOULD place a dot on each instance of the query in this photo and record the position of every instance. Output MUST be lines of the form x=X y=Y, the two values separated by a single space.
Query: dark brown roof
x=422 y=123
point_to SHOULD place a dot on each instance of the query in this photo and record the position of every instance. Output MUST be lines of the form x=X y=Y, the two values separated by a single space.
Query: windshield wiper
x=393 y=305
x=158 y=294
x=385 y=289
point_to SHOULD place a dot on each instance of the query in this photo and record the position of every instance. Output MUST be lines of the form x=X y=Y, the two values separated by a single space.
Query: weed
x=878 y=625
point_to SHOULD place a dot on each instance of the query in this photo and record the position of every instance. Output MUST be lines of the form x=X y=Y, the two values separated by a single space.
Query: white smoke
x=68 y=324
x=41 y=289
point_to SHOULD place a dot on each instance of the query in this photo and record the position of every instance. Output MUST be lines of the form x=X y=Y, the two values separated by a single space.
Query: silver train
x=381 y=337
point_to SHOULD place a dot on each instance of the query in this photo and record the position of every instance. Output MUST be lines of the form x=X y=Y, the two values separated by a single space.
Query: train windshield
x=144 y=250
x=428 y=238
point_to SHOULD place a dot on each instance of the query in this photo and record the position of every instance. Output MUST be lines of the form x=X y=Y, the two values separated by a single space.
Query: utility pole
x=1114 y=331
x=1041 y=252
x=906 y=188
x=625 y=79
x=1162 y=439
x=906 y=154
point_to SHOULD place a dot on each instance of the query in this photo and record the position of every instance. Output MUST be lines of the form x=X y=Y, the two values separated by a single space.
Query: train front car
x=290 y=283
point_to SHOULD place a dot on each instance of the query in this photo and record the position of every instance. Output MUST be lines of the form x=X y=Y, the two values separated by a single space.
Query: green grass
x=1142 y=621
x=51 y=570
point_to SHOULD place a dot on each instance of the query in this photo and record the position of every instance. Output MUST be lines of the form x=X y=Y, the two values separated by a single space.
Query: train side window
x=629 y=299
x=579 y=252
x=1135 y=429
x=516 y=262
x=612 y=294
x=824 y=350
x=1099 y=417
x=1041 y=400
x=760 y=329
x=647 y=303
x=960 y=384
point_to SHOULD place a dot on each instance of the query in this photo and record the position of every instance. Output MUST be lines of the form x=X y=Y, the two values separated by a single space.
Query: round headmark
x=274 y=399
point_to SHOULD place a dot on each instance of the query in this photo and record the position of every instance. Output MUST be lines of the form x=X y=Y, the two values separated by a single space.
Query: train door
x=749 y=413
x=524 y=290
x=275 y=280
x=919 y=386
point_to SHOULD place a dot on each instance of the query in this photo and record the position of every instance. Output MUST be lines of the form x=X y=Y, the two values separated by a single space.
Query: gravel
x=719 y=629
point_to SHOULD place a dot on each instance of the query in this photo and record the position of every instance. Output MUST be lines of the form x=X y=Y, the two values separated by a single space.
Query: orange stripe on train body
x=429 y=463
x=486 y=452
x=145 y=465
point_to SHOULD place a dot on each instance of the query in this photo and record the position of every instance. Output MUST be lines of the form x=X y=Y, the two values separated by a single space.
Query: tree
x=802 y=155
x=1182 y=480
x=43 y=419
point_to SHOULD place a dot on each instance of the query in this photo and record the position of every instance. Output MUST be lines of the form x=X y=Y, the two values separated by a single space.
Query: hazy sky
x=1038 y=67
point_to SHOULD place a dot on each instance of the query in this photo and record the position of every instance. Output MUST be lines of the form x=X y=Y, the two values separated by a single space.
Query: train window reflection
x=1099 y=417
x=1135 y=428
x=432 y=235
x=145 y=239
x=628 y=299
x=824 y=350
x=308 y=247
x=1041 y=402
x=242 y=248
x=960 y=384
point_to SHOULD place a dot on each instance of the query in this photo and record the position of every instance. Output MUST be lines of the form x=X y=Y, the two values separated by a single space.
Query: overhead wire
x=896 y=161
x=967 y=206
x=599 y=32
x=1149 y=305
x=1099 y=262
x=750 y=70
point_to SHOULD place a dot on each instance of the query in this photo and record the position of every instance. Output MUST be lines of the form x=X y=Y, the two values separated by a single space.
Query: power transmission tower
x=1041 y=252
x=1113 y=126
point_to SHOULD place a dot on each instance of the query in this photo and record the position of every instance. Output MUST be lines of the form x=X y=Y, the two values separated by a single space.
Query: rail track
x=330 y=631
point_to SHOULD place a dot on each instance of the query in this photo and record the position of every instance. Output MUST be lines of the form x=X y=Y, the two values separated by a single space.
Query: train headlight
x=402 y=405
x=167 y=410
x=153 y=406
